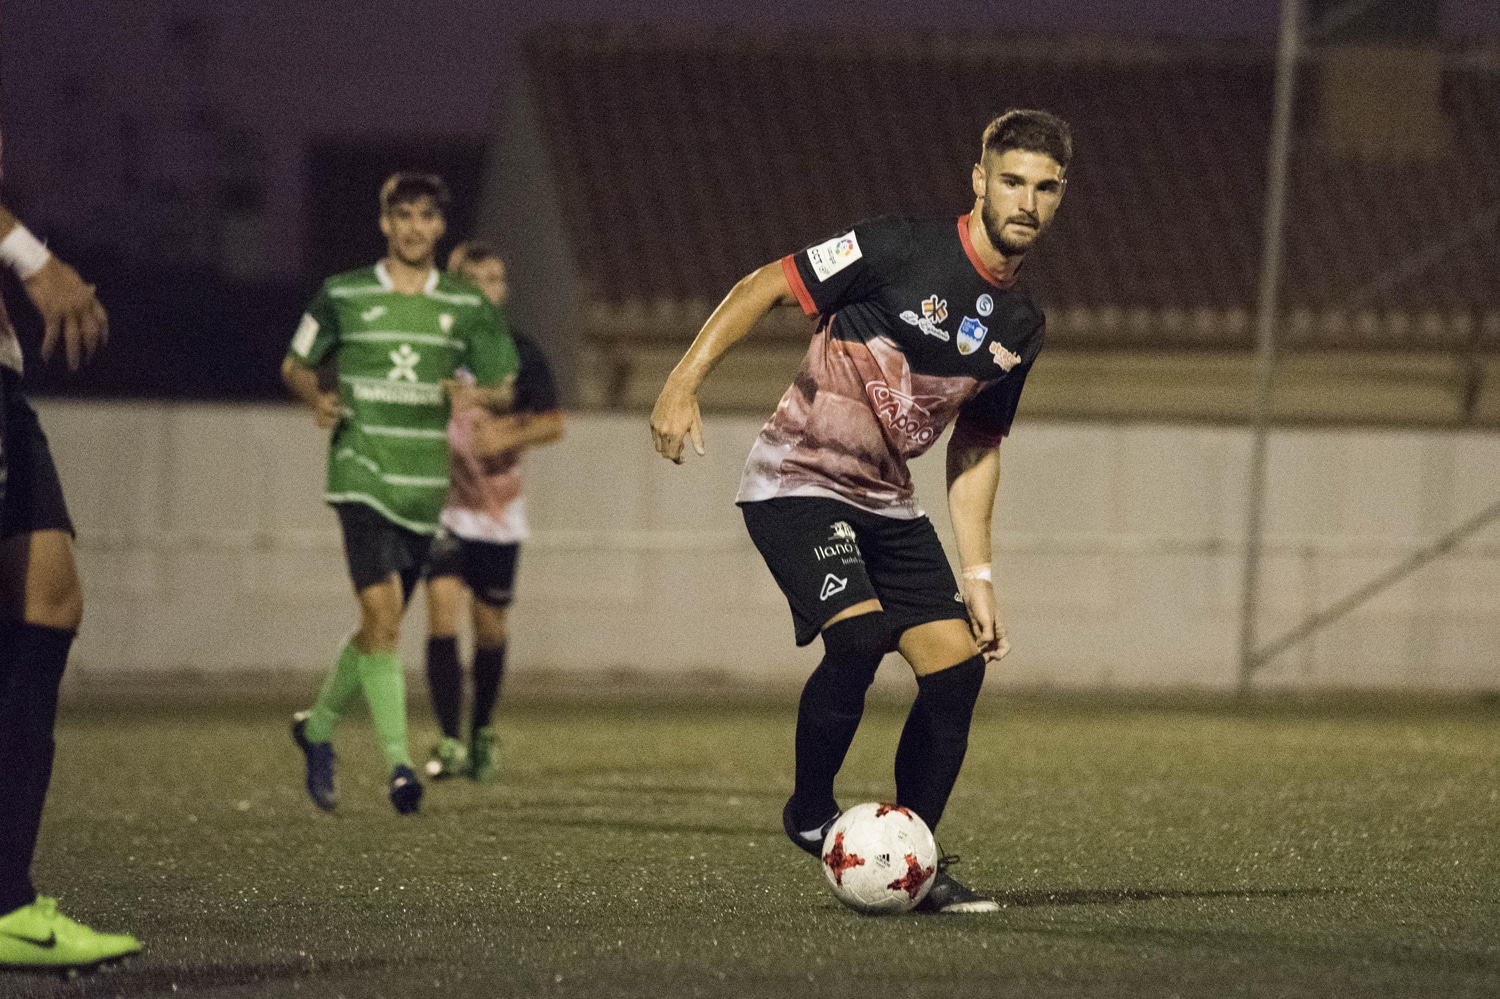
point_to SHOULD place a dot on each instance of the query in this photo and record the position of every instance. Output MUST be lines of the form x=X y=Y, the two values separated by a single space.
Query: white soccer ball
x=880 y=858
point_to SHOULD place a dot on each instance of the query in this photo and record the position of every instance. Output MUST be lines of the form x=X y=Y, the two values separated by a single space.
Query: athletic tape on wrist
x=23 y=252
x=979 y=572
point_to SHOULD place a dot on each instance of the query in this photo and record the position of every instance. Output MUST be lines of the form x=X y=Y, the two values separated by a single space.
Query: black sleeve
x=536 y=389
x=848 y=267
x=987 y=417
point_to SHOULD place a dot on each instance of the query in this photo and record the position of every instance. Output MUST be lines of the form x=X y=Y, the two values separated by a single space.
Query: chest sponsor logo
x=934 y=311
x=829 y=258
x=397 y=393
x=404 y=364
x=370 y=315
x=1003 y=357
x=832 y=585
x=985 y=305
x=841 y=545
x=971 y=333
x=445 y=322
x=909 y=416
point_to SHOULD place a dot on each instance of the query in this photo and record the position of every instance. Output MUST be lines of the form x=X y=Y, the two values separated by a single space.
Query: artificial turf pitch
x=633 y=848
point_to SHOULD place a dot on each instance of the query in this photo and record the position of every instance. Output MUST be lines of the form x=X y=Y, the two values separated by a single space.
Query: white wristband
x=23 y=252
x=978 y=572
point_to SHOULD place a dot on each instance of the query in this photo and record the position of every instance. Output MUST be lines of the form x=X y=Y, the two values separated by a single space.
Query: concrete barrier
x=205 y=549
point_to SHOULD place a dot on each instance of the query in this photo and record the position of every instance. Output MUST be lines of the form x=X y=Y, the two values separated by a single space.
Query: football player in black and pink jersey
x=483 y=525
x=920 y=323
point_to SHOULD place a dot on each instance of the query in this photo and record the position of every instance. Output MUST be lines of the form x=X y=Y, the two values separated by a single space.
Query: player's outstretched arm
x=302 y=381
x=675 y=418
x=973 y=479
x=517 y=432
x=71 y=313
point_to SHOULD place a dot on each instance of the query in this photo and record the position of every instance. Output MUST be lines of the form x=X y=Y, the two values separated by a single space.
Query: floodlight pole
x=1273 y=245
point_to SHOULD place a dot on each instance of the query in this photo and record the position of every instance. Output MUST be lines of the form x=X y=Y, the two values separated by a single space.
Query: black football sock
x=445 y=681
x=32 y=658
x=936 y=736
x=833 y=701
x=489 y=668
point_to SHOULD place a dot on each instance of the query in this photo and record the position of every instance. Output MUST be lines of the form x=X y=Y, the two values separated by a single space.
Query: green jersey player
x=395 y=334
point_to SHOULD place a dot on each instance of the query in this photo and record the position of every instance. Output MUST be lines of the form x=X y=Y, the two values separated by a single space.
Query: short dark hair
x=405 y=187
x=476 y=251
x=1032 y=131
x=472 y=251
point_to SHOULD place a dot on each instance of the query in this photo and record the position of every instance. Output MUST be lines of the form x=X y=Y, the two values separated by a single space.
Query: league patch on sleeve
x=307 y=331
x=829 y=258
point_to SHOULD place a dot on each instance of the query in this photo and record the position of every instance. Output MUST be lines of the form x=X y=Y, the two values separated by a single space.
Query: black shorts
x=33 y=493
x=375 y=547
x=828 y=556
x=487 y=568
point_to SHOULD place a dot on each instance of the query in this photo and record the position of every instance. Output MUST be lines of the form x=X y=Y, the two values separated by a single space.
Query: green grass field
x=634 y=849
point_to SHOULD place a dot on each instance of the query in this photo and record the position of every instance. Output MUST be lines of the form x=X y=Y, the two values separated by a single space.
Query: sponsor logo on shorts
x=985 y=305
x=1003 y=357
x=829 y=258
x=832 y=585
x=971 y=333
x=842 y=545
x=934 y=311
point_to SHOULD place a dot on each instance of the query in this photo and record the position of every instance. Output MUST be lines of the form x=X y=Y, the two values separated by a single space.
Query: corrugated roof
x=686 y=161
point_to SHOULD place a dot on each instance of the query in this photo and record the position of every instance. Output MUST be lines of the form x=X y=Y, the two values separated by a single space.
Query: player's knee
x=57 y=604
x=489 y=626
x=955 y=689
x=379 y=631
x=857 y=644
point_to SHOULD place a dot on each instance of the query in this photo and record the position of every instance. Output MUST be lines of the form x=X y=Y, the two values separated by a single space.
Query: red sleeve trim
x=973 y=255
x=794 y=279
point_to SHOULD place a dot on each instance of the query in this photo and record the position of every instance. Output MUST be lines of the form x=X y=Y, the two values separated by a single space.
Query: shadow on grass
x=138 y=977
x=552 y=820
x=1113 y=896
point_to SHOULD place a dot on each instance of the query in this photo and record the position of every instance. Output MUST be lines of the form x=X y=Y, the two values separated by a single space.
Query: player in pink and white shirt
x=483 y=525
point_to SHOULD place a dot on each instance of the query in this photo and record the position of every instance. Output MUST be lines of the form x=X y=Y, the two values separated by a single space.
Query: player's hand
x=460 y=393
x=496 y=437
x=674 y=418
x=328 y=410
x=70 y=312
x=985 y=623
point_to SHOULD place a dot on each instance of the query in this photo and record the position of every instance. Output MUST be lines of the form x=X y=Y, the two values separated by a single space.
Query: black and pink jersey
x=913 y=332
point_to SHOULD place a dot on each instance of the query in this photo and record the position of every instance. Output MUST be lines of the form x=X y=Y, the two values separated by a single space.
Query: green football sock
x=384 y=681
x=340 y=688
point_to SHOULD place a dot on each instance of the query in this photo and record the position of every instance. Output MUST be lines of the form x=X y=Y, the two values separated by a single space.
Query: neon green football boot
x=485 y=756
x=38 y=936
x=449 y=759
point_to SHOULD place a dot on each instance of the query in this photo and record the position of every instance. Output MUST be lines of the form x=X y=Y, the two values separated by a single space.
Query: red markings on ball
x=915 y=877
x=885 y=810
x=839 y=861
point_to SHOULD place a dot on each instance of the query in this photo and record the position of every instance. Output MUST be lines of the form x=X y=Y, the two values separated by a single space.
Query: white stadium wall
x=206 y=551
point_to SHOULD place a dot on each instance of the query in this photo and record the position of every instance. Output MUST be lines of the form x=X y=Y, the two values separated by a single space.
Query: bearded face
x=1019 y=191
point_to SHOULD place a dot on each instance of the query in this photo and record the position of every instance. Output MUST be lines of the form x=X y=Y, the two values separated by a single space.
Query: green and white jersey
x=392 y=351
